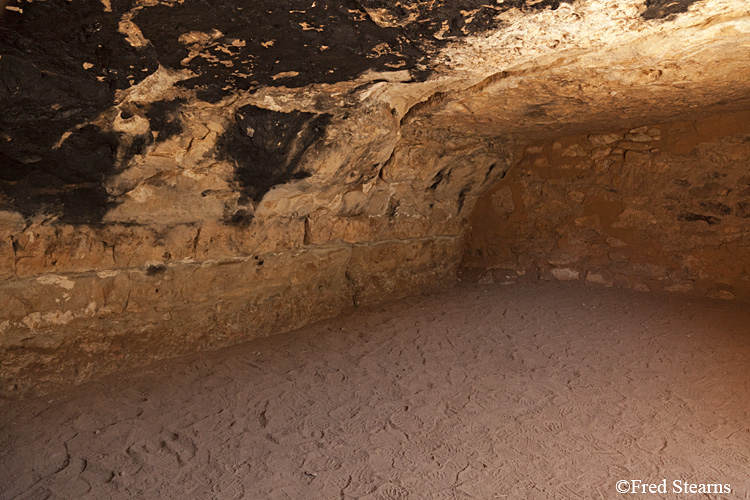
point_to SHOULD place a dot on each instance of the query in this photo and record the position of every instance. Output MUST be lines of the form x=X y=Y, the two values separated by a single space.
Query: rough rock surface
x=659 y=207
x=179 y=175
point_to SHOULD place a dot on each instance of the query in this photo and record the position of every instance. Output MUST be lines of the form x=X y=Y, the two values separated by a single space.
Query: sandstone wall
x=84 y=301
x=658 y=207
x=160 y=277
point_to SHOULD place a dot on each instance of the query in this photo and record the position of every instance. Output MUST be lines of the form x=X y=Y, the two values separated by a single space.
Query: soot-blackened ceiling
x=658 y=9
x=62 y=63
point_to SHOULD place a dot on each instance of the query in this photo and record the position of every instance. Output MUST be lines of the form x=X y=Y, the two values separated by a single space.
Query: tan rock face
x=670 y=218
x=248 y=172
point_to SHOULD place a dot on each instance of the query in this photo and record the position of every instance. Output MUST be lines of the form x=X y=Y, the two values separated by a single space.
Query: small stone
x=603 y=139
x=720 y=294
x=633 y=146
x=576 y=196
x=598 y=279
x=600 y=152
x=604 y=164
x=574 y=150
x=502 y=202
x=615 y=243
x=566 y=274
x=639 y=130
x=654 y=132
x=487 y=279
x=639 y=137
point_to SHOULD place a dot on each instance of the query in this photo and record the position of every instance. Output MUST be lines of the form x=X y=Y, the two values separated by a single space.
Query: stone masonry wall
x=658 y=207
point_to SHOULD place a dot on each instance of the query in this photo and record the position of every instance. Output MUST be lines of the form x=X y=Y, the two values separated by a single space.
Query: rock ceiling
x=102 y=102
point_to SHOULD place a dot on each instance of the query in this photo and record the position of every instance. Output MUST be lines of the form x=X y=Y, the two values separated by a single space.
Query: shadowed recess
x=164 y=120
x=266 y=146
x=67 y=181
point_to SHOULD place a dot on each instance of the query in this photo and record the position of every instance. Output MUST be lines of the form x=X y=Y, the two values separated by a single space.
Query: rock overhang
x=74 y=70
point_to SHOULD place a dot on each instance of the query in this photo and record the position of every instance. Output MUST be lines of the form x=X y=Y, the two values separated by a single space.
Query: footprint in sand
x=362 y=481
x=390 y=491
x=167 y=448
x=407 y=422
x=233 y=489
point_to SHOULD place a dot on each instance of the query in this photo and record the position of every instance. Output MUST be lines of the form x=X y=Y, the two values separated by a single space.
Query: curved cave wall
x=184 y=175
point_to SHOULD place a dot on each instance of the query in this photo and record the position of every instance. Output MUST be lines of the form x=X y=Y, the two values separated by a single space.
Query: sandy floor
x=517 y=392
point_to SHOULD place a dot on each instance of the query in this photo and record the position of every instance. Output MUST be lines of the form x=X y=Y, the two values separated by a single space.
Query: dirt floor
x=520 y=392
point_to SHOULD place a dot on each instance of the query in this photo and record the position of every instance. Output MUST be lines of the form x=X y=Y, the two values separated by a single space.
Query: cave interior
x=197 y=195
